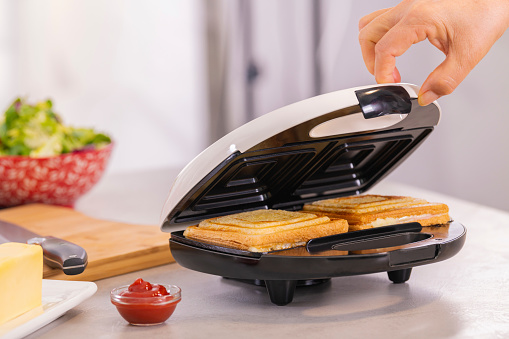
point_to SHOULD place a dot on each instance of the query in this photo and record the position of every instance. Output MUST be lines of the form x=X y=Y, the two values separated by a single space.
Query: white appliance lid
x=336 y=144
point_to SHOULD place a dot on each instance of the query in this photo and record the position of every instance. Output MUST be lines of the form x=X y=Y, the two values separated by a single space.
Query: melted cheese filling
x=392 y=221
x=275 y=247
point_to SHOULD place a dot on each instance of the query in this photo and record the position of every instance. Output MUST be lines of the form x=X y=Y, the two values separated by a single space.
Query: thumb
x=443 y=80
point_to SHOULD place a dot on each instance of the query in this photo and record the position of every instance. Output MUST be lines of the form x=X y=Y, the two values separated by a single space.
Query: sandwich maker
x=333 y=145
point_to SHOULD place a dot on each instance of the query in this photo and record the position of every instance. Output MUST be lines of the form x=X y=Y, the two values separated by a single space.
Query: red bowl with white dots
x=58 y=180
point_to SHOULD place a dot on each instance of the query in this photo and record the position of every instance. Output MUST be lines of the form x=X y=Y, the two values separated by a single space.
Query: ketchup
x=143 y=289
x=143 y=303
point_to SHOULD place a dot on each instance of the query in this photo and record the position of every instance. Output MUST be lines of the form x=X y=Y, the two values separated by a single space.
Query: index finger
x=365 y=20
x=372 y=32
x=393 y=44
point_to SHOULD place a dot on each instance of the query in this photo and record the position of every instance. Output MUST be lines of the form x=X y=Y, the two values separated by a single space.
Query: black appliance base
x=281 y=292
x=399 y=276
x=282 y=271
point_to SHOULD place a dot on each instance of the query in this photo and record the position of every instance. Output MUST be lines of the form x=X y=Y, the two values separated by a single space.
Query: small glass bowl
x=146 y=311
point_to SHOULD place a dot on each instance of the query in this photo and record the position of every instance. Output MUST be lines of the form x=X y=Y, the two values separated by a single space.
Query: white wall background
x=468 y=153
x=133 y=69
x=466 y=156
x=136 y=69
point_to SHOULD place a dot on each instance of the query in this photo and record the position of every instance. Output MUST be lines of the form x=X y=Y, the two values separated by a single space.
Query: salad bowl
x=44 y=161
x=55 y=180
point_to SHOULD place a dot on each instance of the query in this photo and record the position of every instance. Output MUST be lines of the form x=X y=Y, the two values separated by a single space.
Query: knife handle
x=58 y=253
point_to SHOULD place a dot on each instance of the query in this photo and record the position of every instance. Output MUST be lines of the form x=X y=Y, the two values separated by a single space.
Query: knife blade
x=58 y=253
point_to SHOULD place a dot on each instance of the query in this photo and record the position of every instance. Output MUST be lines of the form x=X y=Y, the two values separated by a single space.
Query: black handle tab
x=379 y=101
x=329 y=242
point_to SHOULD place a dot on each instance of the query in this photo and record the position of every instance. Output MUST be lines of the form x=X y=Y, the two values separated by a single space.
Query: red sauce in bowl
x=143 y=303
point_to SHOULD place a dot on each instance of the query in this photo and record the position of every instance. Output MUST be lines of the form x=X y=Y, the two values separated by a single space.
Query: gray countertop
x=462 y=297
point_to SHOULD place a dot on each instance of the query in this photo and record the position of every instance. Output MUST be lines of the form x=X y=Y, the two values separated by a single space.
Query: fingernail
x=427 y=98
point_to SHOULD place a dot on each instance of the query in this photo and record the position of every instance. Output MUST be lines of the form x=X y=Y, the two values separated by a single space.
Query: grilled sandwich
x=265 y=230
x=368 y=211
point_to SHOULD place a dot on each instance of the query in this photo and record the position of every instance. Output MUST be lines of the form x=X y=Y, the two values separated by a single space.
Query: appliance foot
x=281 y=291
x=399 y=276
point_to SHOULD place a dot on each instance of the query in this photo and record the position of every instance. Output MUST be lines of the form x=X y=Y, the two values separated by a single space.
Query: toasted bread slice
x=265 y=230
x=368 y=211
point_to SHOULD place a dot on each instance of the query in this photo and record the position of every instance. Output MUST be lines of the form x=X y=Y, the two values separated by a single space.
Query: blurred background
x=166 y=78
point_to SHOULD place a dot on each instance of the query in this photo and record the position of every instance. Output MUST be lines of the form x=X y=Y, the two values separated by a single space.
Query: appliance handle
x=389 y=104
x=379 y=101
x=413 y=256
x=328 y=242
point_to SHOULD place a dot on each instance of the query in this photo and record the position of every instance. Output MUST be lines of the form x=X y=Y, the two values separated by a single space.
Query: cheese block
x=20 y=279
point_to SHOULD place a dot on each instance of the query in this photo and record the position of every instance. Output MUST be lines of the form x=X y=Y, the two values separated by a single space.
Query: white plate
x=58 y=297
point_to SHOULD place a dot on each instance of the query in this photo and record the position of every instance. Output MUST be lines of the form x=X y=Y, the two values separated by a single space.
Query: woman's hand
x=464 y=30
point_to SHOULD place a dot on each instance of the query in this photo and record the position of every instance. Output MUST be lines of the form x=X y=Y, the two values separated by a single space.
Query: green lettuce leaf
x=37 y=131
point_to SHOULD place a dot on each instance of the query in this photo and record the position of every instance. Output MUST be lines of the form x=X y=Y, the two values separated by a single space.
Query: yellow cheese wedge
x=20 y=279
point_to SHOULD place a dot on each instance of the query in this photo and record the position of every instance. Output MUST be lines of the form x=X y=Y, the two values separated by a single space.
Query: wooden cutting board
x=113 y=248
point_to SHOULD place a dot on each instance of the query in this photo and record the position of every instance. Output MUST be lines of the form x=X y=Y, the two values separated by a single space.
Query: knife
x=70 y=258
